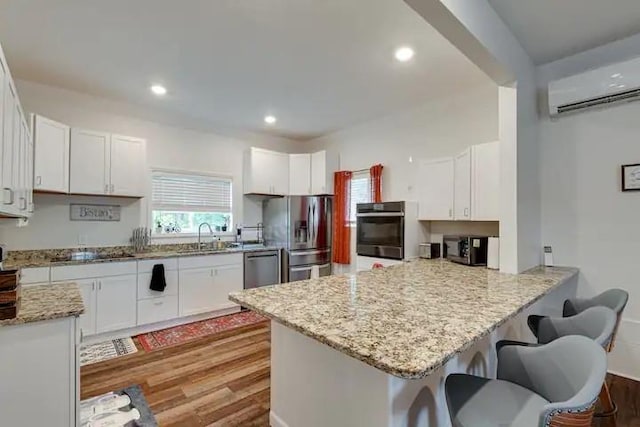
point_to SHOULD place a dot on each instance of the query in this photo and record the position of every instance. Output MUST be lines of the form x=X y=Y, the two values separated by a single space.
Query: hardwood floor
x=223 y=380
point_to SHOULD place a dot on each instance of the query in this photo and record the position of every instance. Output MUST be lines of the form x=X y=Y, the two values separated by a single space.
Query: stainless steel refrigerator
x=302 y=226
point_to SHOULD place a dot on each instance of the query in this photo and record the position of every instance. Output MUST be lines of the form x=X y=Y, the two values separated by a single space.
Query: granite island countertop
x=47 y=302
x=405 y=320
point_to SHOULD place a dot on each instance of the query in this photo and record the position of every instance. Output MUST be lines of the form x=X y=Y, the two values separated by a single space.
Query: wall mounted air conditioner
x=599 y=87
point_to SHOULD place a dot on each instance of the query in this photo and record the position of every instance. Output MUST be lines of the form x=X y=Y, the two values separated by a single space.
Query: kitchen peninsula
x=373 y=349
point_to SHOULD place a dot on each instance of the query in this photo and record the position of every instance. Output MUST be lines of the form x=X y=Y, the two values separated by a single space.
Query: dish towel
x=158 y=282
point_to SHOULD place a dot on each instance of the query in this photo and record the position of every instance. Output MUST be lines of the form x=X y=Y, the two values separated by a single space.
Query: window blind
x=360 y=192
x=190 y=193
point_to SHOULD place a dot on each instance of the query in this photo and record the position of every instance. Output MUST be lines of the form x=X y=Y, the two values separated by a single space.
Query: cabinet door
x=9 y=111
x=88 y=319
x=462 y=187
x=116 y=303
x=436 y=189
x=486 y=182
x=319 y=173
x=51 y=155
x=127 y=166
x=300 y=174
x=19 y=151
x=226 y=279
x=89 y=161
x=257 y=173
x=197 y=291
x=23 y=167
x=279 y=173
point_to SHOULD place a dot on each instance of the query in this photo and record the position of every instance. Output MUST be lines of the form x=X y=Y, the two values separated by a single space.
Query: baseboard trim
x=143 y=329
x=620 y=374
x=276 y=421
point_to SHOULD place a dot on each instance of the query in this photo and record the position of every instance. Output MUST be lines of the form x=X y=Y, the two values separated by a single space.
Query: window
x=181 y=202
x=360 y=192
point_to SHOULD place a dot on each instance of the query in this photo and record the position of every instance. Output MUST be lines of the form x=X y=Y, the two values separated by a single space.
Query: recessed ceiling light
x=159 y=90
x=404 y=53
x=270 y=120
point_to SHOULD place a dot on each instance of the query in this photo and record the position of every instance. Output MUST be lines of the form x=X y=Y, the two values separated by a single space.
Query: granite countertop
x=50 y=257
x=406 y=320
x=46 y=302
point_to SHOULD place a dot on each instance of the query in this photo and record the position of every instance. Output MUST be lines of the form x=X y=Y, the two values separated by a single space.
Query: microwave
x=468 y=250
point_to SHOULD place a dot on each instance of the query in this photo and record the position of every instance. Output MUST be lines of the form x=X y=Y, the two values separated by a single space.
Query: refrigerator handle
x=308 y=223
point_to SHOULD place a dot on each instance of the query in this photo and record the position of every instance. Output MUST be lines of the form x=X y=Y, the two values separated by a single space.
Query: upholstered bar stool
x=616 y=300
x=552 y=385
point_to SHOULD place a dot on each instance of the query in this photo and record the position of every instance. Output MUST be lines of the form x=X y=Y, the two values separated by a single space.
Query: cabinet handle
x=112 y=188
x=10 y=192
x=466 y=211
x=38 y=180
x=106 y=189
x=158 y=303
x=450 y=213
x=93 y=286
x=100 y=285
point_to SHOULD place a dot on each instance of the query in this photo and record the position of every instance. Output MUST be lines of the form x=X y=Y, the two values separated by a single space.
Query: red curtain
x=376 y=183
x=341 y=228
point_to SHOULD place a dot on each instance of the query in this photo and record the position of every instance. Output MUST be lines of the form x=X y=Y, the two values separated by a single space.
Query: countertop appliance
x=469 y=250
x=429 y=250
x=261 y=268
x=301 y=225
x=388 y=230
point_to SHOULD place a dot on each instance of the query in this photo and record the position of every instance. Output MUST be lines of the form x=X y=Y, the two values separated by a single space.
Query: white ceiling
x=318 y=66
x=552 y=29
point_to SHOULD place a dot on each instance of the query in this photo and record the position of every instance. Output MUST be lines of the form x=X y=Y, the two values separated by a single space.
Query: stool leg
x=608 y=407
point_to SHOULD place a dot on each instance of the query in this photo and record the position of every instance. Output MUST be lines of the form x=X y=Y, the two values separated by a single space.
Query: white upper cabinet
x=127 y=163
x=51 y=166
x=266 y=172
x=89 y=173
x=462 y=186
x=323 y=166
x=101 y=163
x=300 y=174
x=485 y=194
x=435 y=185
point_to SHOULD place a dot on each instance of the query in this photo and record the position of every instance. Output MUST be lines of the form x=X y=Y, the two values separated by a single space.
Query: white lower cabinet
x=88 y=319
x=116 y=303
x=206 y=288
x=157 y=309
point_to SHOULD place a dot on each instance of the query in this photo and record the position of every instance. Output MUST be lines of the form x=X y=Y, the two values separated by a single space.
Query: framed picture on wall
x=631 y=177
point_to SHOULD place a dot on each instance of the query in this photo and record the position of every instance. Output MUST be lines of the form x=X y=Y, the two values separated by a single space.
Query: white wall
x=589 y=222
x=167 y=147
x=440 y=128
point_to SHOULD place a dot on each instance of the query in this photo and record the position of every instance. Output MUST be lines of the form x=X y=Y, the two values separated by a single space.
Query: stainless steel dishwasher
x=261 y=268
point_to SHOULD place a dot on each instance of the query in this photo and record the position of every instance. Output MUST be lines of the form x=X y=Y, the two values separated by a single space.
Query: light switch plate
x=548 y=256
x=82 y=239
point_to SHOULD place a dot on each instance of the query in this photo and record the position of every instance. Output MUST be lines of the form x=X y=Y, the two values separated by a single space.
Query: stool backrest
x=615 y=299
x=597 y=323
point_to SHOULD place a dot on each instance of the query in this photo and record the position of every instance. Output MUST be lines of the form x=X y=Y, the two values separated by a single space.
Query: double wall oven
x=380 y=230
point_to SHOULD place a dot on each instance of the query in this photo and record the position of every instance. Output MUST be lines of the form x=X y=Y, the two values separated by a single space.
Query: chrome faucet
x=200 y=233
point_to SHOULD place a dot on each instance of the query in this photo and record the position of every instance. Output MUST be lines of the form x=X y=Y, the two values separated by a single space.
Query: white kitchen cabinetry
x=300 y=175
x=205 y=282
x=436 y=181
x=485 y=172
x=266 y=172
x=51 y=165
x=105 y=164
x=127 y=166
x=89 y=162
x=462 y=186
x=109 y=293
x=323 y=166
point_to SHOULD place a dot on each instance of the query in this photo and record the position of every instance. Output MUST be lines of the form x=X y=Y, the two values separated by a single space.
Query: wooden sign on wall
x=95 y=212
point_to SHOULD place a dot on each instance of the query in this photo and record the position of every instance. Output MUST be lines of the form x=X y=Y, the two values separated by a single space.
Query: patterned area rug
x=99 y=352
x=138 y=402
x=184 y=333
